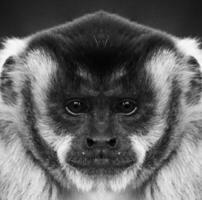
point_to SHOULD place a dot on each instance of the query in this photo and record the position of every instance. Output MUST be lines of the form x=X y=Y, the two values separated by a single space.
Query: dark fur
x=101 y=44
x=8 y=93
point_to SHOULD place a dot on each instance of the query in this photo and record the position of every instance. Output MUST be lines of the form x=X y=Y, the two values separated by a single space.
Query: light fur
x=181 y=178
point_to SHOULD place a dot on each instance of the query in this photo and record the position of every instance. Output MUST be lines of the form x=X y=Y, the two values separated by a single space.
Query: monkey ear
x=191 y=50
x=12 y=48
x=7 y=90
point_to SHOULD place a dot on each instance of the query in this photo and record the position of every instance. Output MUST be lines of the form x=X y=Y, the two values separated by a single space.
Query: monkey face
x=99 y=101
x=101 y=115
x=97 y=119
x=101 y=118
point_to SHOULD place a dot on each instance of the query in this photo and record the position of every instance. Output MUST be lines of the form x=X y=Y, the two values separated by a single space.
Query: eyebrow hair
x=118 y=74
x=84 y=74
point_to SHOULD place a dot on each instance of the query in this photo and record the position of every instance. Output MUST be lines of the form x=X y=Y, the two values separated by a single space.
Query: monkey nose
x=101 y=142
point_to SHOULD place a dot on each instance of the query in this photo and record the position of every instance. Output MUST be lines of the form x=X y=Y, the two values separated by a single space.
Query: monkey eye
x=76 y=106
x=126 y=106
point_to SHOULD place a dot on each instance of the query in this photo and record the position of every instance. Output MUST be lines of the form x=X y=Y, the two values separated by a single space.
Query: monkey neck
x=20 y=178
x=181 y=178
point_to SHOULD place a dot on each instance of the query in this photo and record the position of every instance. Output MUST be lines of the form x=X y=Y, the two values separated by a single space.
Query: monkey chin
x=113 y=183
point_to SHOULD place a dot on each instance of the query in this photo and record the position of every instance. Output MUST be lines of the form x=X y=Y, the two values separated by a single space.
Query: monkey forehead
x=150 y=76
x=128 y=77
x=156 y=71
x=101 y=42
x=101 y=50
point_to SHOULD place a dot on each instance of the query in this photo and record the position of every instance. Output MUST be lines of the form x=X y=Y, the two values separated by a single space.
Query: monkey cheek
x=62 y=148
x=139 y=147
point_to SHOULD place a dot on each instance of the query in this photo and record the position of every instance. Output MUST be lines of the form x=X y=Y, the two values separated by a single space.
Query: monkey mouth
x=102 y=166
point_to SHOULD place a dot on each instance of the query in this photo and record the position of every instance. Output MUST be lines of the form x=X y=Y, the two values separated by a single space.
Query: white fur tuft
x=12 y=47
x=190 y=47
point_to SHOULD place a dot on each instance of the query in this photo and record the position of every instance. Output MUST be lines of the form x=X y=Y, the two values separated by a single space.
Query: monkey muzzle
x=101 y=161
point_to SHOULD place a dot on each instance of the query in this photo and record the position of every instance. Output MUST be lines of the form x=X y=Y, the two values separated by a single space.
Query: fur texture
x=101 y=56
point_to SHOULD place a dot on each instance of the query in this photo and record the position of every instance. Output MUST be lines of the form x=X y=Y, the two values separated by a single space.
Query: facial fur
x=100 y=104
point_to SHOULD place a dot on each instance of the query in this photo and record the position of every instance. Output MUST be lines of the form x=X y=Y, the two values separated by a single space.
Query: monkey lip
x=101 y=166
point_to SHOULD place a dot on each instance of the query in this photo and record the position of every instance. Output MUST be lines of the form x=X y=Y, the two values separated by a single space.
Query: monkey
x=101 y=107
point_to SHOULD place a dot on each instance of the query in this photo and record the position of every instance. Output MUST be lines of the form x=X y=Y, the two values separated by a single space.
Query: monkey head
x=99 y=101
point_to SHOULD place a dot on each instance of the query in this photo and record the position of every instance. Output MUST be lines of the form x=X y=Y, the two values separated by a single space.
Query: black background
x=181 y=18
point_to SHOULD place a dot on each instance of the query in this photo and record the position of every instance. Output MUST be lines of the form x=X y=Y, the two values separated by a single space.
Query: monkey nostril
x=112 y=142
x=90 y=142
